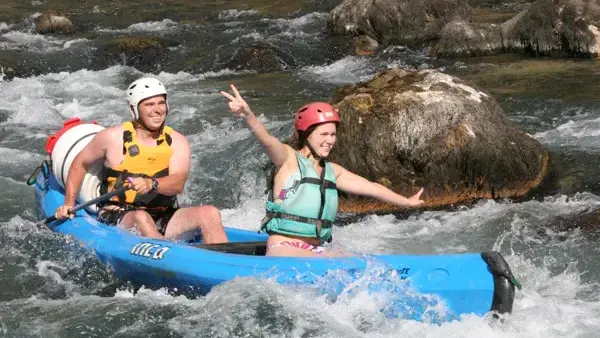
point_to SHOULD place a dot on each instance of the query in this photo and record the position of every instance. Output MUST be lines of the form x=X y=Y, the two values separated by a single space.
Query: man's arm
x=92 y=152
x=179 y=167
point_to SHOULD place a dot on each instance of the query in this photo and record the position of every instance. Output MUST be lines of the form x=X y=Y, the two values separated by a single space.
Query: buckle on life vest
x=318 y=223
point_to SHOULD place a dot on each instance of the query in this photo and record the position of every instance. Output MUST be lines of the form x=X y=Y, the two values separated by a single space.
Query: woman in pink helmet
x=302 y=204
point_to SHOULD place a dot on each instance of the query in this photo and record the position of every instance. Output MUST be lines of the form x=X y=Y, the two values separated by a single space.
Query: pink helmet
x=315 y=113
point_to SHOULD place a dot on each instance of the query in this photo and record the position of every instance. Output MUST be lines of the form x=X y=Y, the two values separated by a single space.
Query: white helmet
x=142 y=89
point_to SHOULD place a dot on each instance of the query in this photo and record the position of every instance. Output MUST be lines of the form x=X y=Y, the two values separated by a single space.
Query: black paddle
x=96 y=200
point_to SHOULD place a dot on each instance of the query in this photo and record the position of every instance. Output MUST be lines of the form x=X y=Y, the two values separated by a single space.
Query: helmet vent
x=133 y=86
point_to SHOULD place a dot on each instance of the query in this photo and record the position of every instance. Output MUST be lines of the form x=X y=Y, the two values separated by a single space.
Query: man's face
x=153 y=112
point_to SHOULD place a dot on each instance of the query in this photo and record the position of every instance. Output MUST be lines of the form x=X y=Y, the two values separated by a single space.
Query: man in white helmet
x=155 y=160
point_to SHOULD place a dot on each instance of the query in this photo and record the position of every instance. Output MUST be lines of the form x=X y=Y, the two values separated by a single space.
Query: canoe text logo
x=149 y=250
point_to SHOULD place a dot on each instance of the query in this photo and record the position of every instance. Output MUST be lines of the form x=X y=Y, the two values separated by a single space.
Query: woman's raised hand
x=237 y=104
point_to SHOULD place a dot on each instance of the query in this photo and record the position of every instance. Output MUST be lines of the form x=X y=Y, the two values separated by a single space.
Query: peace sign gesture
x=237 y=104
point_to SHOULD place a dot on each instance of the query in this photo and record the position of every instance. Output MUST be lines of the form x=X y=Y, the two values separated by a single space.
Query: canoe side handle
x=504 y=283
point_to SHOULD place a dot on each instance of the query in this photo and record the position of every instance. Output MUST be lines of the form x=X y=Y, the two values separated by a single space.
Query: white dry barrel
x=66 y=148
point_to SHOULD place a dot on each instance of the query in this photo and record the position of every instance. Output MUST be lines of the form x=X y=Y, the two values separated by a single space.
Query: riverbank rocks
x=52 y=21
x=545 y=28
x=396 y=21
x=562 y=27
x=410 y=129
x=555 y=28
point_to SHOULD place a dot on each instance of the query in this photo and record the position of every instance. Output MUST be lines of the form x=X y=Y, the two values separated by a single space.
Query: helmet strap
x=314 y=153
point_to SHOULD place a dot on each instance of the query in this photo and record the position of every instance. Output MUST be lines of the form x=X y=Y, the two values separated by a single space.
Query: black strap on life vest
x=322 y=164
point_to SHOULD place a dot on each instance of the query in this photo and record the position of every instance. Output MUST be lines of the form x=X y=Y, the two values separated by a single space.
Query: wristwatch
x=154 y=184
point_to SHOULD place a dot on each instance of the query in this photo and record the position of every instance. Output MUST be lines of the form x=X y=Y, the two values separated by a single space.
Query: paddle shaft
x=96 y=200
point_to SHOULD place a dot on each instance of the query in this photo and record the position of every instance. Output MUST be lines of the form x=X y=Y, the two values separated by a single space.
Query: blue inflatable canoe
x=472 y=283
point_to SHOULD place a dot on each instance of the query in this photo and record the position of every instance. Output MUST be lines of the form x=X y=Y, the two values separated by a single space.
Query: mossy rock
x=137 y=44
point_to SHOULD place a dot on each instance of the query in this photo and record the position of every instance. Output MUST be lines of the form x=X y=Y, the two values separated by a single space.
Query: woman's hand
x=237 y=104
x=277 y=151
x=415 y=199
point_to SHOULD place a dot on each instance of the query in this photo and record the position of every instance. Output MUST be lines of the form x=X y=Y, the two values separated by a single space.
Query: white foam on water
x=304 y=27
x=4 y=26
x=166 y=26
x=350 y=69
x=98 y=95
x=442 y=230
x=581 y=134
x=70 y=43
x=83 y=93
x=300 y=22
x=267 y=309
x=234 y=14
x=18 y=157
x=31 y=41
x=49 y=269
x=255 y=36
x=188 y=78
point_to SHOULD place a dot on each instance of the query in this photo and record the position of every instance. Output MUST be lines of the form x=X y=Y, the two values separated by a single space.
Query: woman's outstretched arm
x=354 y=184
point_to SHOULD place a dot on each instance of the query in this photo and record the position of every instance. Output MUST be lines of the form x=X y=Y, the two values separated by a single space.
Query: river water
x=52 y=288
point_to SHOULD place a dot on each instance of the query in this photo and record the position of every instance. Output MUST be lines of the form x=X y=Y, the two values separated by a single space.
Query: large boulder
x=461 y=38
x=52 y=21
x=410 y=129
x=396 y=21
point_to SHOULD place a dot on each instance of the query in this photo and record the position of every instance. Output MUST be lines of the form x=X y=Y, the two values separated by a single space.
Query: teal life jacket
x=311 y=210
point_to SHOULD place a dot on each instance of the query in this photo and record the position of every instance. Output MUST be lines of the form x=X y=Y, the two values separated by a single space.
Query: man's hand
x=140 y=185
x=64 y=211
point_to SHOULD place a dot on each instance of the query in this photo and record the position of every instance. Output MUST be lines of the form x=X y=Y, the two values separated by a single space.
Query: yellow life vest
x=140 y=161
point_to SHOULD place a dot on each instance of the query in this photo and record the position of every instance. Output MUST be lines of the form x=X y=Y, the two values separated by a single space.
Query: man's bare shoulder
x=107 y=137
x=111 y=133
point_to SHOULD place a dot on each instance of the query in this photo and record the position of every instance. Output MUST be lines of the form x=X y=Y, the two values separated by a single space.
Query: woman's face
x=323 y=138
